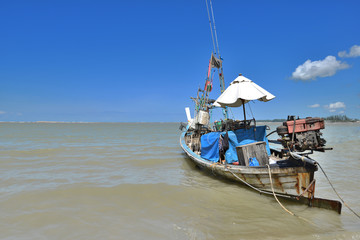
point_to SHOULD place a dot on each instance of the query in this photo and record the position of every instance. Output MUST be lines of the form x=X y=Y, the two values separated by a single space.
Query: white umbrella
x=240 y=91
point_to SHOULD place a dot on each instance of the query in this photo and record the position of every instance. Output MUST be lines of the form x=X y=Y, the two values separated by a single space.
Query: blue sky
x=142 y=60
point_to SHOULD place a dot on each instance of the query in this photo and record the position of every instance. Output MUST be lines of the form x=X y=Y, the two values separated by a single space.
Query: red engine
x=302 y=134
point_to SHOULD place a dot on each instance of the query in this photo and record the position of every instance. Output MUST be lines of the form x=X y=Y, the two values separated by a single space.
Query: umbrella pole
x=243 y=102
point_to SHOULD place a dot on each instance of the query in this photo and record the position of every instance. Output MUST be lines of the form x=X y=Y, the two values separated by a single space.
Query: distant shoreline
x=55 y=122
x=334 y=121
x=333 y=118
x=74 y=122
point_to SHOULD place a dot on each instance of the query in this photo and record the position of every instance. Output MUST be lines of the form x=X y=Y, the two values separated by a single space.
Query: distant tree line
x=340 y=118
x=333 y=118
x=273 y=120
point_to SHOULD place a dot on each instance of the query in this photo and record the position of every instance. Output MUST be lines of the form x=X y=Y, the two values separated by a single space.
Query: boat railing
x=232 y=125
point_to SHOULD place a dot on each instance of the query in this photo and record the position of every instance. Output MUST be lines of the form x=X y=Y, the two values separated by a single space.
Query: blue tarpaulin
x=210 y=146
x=231 y=155
x=210 y=143
x=249 y=134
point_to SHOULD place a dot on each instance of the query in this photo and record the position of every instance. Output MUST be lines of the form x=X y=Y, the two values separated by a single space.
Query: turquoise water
x=132 y=181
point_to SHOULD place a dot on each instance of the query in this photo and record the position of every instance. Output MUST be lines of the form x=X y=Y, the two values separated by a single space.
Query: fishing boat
x=239 y=150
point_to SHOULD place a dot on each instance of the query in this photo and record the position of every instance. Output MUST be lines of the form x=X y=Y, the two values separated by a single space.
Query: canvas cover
x=244 y=135
x=231 y=155
x=210 y=143
x=242 y=90
x=210 y=146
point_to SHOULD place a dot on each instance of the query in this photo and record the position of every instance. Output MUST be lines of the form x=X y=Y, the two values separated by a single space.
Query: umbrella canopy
x=242 y=90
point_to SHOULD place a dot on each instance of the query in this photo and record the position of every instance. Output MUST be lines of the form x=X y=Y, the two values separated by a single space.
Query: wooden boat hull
x=289 y=181
x=295 y=183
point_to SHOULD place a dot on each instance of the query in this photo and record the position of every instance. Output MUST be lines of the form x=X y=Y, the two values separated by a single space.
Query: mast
x=217 y=54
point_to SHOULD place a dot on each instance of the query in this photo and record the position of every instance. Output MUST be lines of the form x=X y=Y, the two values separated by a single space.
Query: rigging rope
x=337 y=192
x=213 y=19
x=213 y=33
x=288 y=211
x=216 y=53
x=255 y=188
x=248 y=184
x=327 y=178
x=233 y=116
x=211 y=28
x=273 y=193
x=252 y=115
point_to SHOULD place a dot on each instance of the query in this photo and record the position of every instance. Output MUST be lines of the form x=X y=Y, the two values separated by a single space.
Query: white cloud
x=333 y=107
x=316 y=105
x=337 y=105
x=322 y=68
x=354 y=52
x=2 y=112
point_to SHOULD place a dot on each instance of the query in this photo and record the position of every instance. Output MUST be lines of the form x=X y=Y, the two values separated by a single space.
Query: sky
x=141 y=61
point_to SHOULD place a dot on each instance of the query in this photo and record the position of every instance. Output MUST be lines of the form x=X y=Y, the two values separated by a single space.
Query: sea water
x=132 y=181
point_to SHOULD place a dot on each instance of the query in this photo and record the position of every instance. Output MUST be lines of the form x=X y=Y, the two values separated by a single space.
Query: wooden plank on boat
x=257 y=149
